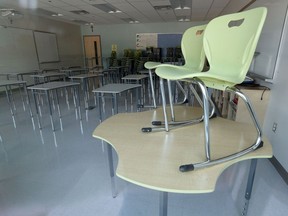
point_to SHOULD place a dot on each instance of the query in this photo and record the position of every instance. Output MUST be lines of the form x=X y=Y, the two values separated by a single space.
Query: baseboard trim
x=280 y=169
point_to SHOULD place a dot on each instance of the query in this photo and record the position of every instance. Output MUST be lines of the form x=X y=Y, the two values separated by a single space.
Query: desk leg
x=21 y=94
x=36 y=108
x=10 y=105
x=114 y=104
x=163 y=203
x=77 y=95
x=111 y=170
x=138 y=102
x=59 y=111
x=86 y=96
x=99 y=102
x=50 y=109
x=29 y=106
x=249 y=186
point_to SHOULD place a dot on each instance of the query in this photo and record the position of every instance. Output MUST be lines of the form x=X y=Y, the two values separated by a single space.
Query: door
x=93 y=53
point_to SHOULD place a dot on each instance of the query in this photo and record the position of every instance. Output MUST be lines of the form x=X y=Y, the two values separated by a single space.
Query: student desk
x=20 y=75
x=47 y=89
x=152 y=160
x=73 y=71
x=47 y=76
x=119 y=72
x=84 y=78
x=138 y=79
x=7 y=84
x=114 y=90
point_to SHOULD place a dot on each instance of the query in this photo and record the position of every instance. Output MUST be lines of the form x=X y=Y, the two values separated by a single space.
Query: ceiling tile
x=201 y=4
x=55 y=3
x=141 y=10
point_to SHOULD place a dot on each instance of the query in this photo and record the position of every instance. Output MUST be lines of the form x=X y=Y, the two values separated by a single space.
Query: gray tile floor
x=66 y=174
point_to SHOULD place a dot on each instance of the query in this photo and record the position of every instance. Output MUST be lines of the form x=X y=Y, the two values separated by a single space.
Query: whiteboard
x=17 y=50
x=46 y=45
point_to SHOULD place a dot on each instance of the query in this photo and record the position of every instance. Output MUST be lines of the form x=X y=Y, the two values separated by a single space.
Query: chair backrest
x=192 y=47
x=230 y=42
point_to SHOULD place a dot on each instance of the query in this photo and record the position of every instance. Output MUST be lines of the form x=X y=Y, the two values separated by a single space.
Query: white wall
x=124 y=35
x=277 y=108
x=68 y=36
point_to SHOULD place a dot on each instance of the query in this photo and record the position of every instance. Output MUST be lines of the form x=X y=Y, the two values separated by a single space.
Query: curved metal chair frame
x=229 y=44
x=192 y=49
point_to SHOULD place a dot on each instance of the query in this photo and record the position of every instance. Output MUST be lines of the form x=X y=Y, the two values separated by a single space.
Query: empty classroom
x=143 y=107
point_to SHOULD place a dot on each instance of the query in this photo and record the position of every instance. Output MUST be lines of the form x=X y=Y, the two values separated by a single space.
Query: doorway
x=92 y=49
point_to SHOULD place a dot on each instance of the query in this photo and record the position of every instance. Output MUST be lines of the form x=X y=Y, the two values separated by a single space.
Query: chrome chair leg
x=258 y=143
x=170 y=100
x=176 y=124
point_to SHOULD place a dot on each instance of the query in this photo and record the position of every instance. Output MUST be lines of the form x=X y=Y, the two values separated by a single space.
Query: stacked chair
x=229 y=43
x=192 y=50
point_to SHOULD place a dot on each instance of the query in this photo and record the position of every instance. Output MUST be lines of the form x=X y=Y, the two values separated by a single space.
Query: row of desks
x=50 y=88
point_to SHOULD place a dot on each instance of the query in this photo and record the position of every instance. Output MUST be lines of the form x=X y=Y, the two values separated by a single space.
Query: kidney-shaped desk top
x=152 y=160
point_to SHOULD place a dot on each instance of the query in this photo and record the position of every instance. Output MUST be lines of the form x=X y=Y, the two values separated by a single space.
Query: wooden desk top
x=152 y=160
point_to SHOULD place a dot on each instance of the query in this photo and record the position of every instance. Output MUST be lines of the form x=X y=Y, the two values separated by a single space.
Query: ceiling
x=105 y=12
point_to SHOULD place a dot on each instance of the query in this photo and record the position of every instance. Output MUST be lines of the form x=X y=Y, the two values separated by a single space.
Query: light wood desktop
x=152 y=160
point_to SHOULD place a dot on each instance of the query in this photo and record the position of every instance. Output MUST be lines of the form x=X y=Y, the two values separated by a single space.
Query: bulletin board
x=159 y=40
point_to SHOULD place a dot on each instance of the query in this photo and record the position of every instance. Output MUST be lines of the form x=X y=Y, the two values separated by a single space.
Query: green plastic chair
x=193 y=53
x=229 y=44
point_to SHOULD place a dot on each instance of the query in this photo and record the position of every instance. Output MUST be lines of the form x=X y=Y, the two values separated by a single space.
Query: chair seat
x=151 y=65
x=210 y=79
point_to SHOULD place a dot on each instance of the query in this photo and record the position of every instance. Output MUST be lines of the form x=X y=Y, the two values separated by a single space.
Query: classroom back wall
x=124 y=35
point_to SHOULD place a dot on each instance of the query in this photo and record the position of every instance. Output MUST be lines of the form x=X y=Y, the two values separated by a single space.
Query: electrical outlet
x=274 y=127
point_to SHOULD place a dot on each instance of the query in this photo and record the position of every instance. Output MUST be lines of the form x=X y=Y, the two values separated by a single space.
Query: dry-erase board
x=17 y=50
x=46 y=45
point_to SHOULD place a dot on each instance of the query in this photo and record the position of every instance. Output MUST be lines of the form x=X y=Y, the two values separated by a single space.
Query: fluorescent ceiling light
x=108 y=8
x=182 y=8
x=57 y=15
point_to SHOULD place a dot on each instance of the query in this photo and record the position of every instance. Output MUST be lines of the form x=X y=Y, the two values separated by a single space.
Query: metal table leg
x=99 y=102
x=249 y=186
x=163 y=204
x=59 y=111
x=111 y=170
x=10 y=105
x=77 y=95
x=50 y=109
x=36 y=108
